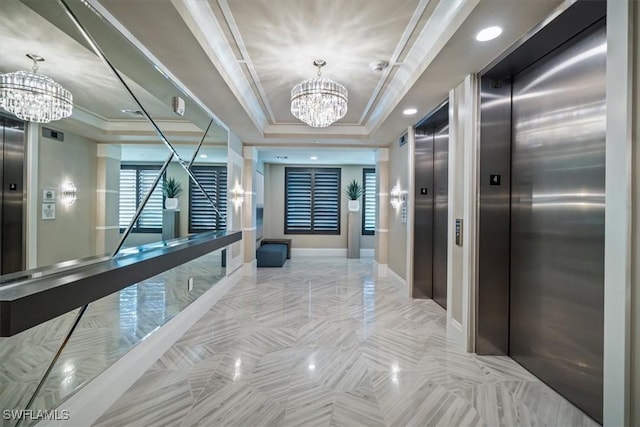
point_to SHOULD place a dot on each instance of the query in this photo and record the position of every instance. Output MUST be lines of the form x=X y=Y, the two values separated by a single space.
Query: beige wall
x=274 y=210
x=398 y=175
x=72 y=233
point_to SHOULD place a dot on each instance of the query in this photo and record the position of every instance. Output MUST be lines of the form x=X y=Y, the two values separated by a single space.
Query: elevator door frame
x=493 y=281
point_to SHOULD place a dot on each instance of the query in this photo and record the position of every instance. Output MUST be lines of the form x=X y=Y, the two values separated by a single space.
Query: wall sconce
x=68 y=193
x=237 y=195
x=396 y=197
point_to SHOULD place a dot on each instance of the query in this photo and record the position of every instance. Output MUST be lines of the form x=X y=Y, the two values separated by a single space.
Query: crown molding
x=202 y=22
x=447 y=17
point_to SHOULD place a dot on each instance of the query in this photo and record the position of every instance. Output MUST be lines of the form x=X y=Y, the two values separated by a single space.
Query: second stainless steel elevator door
x=431 y=209
x=423 y=224
x=440 y=213
x=557 y=220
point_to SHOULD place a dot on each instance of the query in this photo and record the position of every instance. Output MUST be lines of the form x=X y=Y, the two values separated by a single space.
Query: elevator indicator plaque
x=423 y=191
x=494 y=179
x=459 y=231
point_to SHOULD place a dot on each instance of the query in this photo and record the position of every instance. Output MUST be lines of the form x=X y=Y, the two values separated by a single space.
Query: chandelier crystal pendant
x=34 y=97
x=319 y=102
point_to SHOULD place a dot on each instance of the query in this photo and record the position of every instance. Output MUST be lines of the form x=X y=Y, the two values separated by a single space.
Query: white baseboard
x=381 y=270
x=367 y=253
x=318 y=252
x=87 y=405
x=455 y=331
x=402 y=282
x=330 y=252
x=250 y=268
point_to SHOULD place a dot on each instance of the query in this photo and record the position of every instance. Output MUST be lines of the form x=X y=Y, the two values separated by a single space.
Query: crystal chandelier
x=319 y=102
x=34 y=97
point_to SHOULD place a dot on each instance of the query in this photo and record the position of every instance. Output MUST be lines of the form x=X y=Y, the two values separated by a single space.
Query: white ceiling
x=241 y=57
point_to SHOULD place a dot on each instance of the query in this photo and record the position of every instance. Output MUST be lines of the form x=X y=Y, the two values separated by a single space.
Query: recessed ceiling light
x=313 y=158
x=488 y=33
x=316 y=141
x=409 y=111
x=203 y=156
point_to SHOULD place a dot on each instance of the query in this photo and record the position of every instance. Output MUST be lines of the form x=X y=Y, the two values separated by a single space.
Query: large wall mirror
x=72 y=187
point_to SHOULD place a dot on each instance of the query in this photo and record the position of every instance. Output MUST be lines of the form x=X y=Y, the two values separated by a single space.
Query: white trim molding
x=381 y=270
x=318 y=252
x=618 y=211
x=367 y=253
x=402 y=282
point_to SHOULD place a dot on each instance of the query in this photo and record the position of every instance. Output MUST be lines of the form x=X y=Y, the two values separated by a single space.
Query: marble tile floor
x=322 y=342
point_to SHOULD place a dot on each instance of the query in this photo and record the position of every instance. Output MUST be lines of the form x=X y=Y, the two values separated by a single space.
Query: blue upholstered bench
x=272 y=255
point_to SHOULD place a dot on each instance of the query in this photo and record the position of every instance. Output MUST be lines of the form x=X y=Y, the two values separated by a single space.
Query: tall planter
x=354 y=192
x=353 y=235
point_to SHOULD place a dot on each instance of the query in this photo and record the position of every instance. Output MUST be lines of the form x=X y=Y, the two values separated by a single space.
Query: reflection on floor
x=322 y=342
x=109 y=328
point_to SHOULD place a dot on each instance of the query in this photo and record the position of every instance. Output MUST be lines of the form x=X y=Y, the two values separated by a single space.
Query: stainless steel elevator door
x=557 y=221
x=11 y=195
x=423 y=225
x=440 y=213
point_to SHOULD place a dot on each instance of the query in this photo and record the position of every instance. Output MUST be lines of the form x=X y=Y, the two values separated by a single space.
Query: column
x=107 y=198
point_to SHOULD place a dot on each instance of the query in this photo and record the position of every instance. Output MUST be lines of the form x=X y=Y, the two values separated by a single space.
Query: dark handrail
x=35 y=300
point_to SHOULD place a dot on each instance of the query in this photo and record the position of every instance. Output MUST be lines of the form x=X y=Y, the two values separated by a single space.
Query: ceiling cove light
x=319 y=102
x=409 y=111
x=313 y=158
x=34 y=97
x=488 y=33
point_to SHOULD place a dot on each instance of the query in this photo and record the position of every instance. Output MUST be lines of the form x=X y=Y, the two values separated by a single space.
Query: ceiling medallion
x=34 y=97
x=319 y=102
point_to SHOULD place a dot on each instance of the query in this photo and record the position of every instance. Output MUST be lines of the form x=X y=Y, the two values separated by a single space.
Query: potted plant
x=354 y=192
x=171 y=189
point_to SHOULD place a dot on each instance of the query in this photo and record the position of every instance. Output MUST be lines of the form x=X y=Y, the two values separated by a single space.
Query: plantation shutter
x=202 y=216
x=135 y=182
x=369 y=201
x=298 y=200
x=326 y=201
x=151 y=217
x=312 y=201
x=128 y=197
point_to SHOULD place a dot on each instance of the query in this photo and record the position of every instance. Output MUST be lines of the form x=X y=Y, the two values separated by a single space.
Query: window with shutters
x=202 y=216
x=369 y=201
x=312 y=201
x=135 y=182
